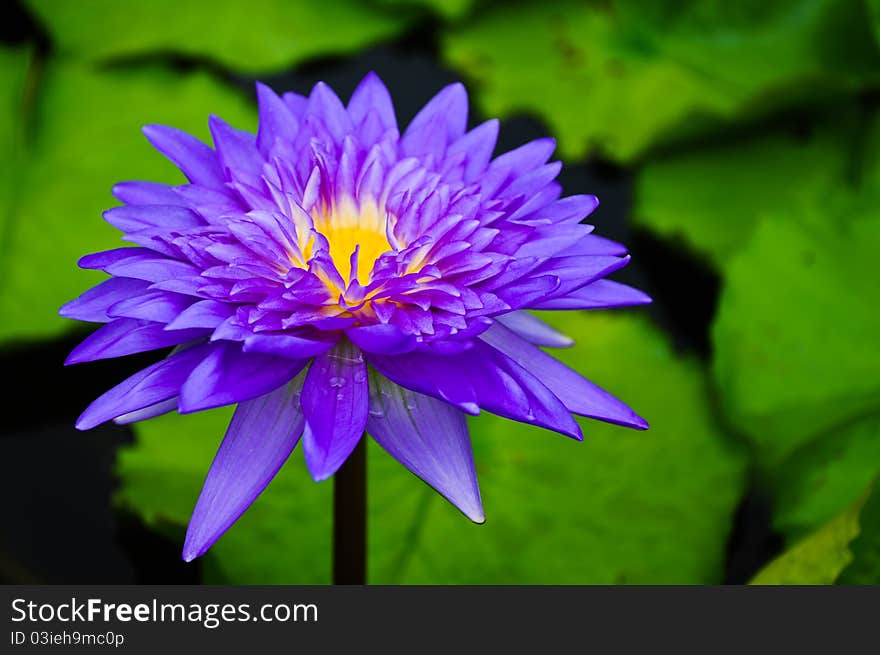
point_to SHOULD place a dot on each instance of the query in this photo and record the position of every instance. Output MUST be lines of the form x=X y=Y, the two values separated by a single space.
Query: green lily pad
x=14 y=64
x=824 y=476
x=284 y=538
x=262 y=38
x=712 y=197
x=625 y=76
x=85 y=136
x=447 y=9
x=820 y=557
x=865 y=548
x=623 y=506
x=795 y=337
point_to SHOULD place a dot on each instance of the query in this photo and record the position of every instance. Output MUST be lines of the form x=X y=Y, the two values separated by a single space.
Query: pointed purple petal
x=335 y=401
x=93 y=304
x=534 y=330
x=480 y=377
x=429 y=437
x=277 y=122
x=125 y=336
x=227 y=376
x=579 y=394
x=196 y=160
x=152 y=385
x=237 y=150
x=157 y=305
x=371 y=94
x=601 y=294
x=145 y=193
x=477 y=146
x=262 y=434
x=130 y=218
x=149 y=412
x=446 y=112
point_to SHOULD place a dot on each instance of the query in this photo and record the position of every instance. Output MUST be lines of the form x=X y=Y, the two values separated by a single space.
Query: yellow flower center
x=348 y=225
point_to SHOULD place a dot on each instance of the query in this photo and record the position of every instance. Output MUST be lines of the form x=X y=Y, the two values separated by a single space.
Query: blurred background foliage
x=735 y=147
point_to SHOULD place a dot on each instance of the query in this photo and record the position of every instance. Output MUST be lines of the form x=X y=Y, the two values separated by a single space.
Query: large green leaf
x=625 y=76
x=284 y=538
x=865 y=548
x=623 y=506
x=823 y=476
x=795 y=338
x=14 y=65
x=86 y=137
x=448 y=9
x=712 y=197
x=820 y=557
x=246 y=36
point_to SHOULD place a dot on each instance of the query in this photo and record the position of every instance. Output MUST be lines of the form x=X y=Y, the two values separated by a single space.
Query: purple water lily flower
x=332 y=277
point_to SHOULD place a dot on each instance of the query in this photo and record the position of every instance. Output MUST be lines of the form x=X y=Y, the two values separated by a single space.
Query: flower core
x=356 y=235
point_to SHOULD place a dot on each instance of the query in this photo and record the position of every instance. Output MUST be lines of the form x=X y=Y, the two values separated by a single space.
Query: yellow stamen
x=347 y=225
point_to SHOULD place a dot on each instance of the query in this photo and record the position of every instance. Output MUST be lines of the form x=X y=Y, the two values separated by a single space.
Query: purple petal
x=371 y=95
x=262 y=434
x=149 y=412
x=430 y=438
x=601 y=294
x=93 y=304
x=480 y=377
x=139 y=263
x=593 y=245
x=534 y=330
x=277 y=122
x=145 y=193
x=335 y=401
x=325 y=104
x=382 y=338
x=579 y=394
x=227 y=376
x=125 y=336
x=154 y=384
x=237 y=150
x=131 y=218
x=446 y=113
x=159 y=306
x=525 y=158
x=477 y=147
x=203 y=314
x=197 y=161
x=572 y=209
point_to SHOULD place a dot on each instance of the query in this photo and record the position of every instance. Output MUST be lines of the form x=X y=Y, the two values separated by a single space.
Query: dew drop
x=360 y=377
x=376 y=412
x=340 y=396
x=337 y=382
x=410 y=405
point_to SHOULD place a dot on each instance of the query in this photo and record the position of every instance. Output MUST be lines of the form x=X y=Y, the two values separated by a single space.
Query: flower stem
x=350 y=519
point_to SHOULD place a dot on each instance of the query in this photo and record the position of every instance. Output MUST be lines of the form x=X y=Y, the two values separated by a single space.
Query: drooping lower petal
x=428 y=436
x=335 y=401
x=480 y=378
x=579 y=394
x=260 y=438
x=147 y=387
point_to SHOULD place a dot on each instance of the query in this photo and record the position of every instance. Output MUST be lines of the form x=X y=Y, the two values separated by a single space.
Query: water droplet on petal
x=360 y=377
x=376 y=412
x=340 y=396
x=337 y=382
